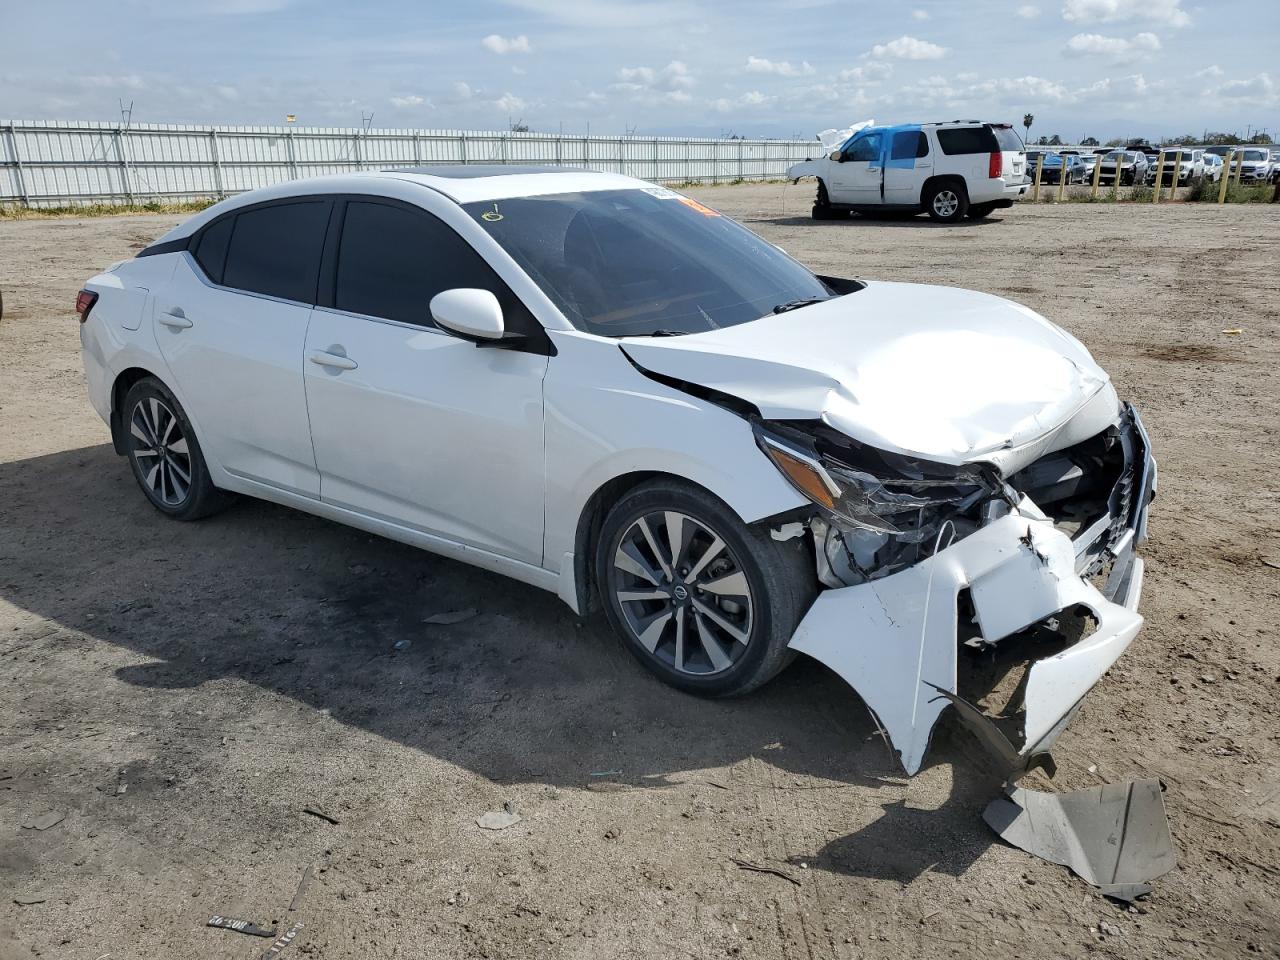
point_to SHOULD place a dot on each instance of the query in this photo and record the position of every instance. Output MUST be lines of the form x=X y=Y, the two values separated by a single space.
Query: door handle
x=175 y=318
x=326 y=359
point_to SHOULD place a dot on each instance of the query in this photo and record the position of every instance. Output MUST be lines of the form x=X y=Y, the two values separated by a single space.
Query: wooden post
x=1225 y=180
x=1062 y=177
x=1155 y=194
x=1035 y=191
x=1177 y=172
x=1097 y=172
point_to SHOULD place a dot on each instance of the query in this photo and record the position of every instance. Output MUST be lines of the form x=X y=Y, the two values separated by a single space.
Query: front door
x=410 y=424
x=856 y=179
x=907 y=167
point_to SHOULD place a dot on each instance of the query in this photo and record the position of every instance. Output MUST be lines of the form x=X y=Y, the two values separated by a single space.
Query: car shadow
x=333 y=618
x=918 y=222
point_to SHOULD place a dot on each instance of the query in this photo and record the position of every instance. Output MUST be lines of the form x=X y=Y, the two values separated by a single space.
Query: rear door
x=857 y=178
x=410 y=424
x=231 y=325
x=907 y=168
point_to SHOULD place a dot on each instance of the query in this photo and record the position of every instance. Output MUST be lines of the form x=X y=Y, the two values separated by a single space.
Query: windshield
x=1256 y=154
x=640 y=262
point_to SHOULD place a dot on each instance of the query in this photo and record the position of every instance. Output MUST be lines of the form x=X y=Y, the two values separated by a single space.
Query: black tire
x=980 y=211
x=779 y=576
x=161 y=447
x=947 y=202
x=822 y=209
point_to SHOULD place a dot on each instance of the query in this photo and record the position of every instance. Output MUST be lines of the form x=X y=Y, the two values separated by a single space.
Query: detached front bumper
x=896 y=641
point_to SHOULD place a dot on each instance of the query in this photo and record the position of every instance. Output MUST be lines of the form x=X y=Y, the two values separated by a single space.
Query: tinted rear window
x=276 y=250
x=959 y=140
x=393 y=260
x=211 y=250
x=1007 y=138
x=909 y=144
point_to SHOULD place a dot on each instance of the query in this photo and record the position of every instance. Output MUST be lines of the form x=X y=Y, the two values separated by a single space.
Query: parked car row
x=1257 y=165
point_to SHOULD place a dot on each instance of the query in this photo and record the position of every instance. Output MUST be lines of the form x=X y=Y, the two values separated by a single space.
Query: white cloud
x=1260 y=88
x=871 y=72
x=510 y=103
x=782 y=68
x=670 y=84
x=1210 y=71
x=1115 y=11
x=462 y=90
x=504 y=45
x=752 y=98
x=919 y=14
x=1028 y=11
x=1115 y=49
x=409 y=100
x=908 y=48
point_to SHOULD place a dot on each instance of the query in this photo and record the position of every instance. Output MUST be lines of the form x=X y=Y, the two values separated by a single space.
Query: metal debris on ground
x=322 y=816
x=1233 y=331
x=301 y=892
x=761 y=868
x=240 y=926
x=1115 y=836
x=451 y=617
x=285 y=939
x=28 y=899
x=499 y=819
x=606 y=773
x=45 y=821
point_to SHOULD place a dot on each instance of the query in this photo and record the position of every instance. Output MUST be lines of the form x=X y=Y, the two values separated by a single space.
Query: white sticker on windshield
x=662 y=193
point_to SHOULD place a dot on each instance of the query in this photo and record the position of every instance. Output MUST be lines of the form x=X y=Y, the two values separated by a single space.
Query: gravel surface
x=184 y=694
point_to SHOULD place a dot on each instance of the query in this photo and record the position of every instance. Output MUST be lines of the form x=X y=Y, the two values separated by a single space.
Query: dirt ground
x=185 y=693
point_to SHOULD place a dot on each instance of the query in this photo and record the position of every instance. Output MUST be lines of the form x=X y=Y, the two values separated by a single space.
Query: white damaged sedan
x=613 y=392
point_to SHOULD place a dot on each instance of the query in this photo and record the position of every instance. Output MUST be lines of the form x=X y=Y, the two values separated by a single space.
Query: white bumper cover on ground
x=894 y=640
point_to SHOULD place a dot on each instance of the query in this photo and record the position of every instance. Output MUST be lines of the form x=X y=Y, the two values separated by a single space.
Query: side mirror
x=835 y=155
x=468 y=313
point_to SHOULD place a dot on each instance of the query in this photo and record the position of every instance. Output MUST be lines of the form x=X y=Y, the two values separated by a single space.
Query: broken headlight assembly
x=879 y=512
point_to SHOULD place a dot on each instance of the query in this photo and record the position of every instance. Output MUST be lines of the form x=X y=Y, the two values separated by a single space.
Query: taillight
x=995 y=165
x=85 y=300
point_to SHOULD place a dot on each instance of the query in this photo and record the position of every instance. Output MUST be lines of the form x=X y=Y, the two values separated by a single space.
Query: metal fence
x=47 y=163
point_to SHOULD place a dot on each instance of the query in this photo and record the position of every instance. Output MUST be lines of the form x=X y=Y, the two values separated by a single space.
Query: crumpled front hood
x=936 y=372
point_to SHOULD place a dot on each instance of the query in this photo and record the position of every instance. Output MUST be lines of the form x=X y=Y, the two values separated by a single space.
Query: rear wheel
x=947 y=202
x=165 y=455
x=703 y=601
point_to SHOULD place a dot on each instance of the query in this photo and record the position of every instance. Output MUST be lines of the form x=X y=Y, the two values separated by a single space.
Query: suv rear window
x=960 y=140
x=1008 y=139
x=275 y=250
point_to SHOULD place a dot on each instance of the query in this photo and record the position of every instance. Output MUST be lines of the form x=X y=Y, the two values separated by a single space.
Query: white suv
x=951 y=170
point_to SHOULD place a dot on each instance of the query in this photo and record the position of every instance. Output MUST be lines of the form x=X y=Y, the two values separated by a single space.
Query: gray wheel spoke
x=711 y=646
x=157 y=437
x=139 y=431
x=146 y=453
x=629 y=558
x=711 y=553
x=179 y=471
x=679 y=654
x=153 y=478
x=168 y=428
x=715 y=617
x=643 y=523
x=730 y=585
x=652 y=631
x=675 y=523
x=179 y=446
x=630 y=596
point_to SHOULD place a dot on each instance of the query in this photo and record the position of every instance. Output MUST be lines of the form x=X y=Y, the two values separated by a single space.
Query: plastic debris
x=45 y=821
x=1233 y=331
x=285 y=939
x=301 y=891
x=761 y=868
x=240 y=926
x=323 y=816
x=451 y=617
x=28 y=899
x=1115 y=836
x=499 y=819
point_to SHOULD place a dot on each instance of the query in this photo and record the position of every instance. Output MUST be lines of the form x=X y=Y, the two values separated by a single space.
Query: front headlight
x=868 y=489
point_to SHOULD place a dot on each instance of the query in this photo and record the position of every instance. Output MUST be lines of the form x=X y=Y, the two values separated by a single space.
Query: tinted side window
x=393 y=260
x=868 y=148
x=958 y=140
x=909 y=144
x=276 y=250
x=211 y=251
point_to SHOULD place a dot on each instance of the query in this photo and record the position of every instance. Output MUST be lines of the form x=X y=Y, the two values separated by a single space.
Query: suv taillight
x=995 y=165
x=85 y=300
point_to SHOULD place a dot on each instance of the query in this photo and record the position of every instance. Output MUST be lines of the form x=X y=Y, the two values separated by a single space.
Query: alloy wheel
x=160 y=452
x=945 y=203
x=682 y=593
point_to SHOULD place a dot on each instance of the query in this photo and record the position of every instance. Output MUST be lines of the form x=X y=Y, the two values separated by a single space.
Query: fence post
x=1062 y=177
x=622 y=153
x=655 y=159
x=356 y=151
x=17 y=167
x=293 y=160
x=124 y=165
x=1177 y=172
x=1155 y=194
x=688 y=161
x=1097 y=172
x=417 y=149
x=559 y=150
x=1035 y=191
x=1225 y=179
x=217 y=163
x=741 y=170
x=462 y=145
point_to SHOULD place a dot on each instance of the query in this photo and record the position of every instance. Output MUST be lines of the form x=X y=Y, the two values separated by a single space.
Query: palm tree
x=1027 y=120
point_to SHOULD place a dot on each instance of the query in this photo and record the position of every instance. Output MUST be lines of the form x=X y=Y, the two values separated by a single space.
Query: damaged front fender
x=895 y=639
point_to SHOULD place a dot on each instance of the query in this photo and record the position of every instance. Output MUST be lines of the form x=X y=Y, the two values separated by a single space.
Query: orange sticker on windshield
x=693 y=204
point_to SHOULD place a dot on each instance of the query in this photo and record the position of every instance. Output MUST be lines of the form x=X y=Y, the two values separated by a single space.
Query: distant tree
x=1261 y=138
x=1219 y=137
x=1055 y=141
x=1115 y=142
x=1175 y=141
x=519 y=126
x=1089 y=142
x=1027 y=120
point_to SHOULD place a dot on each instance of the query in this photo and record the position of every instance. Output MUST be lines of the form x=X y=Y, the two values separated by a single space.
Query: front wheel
x=705 y=602
x=822 y=209
x=947 y=202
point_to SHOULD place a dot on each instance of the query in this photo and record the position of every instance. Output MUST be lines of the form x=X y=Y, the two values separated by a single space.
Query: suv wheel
x=165 y=455
x=822 y=209
x=947 y=202
x=703 y=601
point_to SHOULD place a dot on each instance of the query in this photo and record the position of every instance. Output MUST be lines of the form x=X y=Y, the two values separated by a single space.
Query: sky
x=1101 y=68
